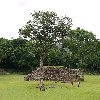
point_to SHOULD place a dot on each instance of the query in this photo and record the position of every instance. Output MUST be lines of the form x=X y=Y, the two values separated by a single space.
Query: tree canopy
x=46 y=29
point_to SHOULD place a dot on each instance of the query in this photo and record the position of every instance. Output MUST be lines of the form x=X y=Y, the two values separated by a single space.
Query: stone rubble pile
x=55 y=74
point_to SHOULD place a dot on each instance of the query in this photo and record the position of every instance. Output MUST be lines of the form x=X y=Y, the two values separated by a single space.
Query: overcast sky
x=15 y=13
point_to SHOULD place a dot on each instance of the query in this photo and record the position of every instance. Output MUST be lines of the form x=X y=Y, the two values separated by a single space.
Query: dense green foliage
x=18 y=54
x=21 y=55
x=13 y=87
x=51 y=39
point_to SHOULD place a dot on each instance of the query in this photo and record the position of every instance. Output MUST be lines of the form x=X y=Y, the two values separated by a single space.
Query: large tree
x=46 y=29
x=82 y=45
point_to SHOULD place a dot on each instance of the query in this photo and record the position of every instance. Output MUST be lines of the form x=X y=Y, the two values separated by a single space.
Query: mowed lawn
x=13 y=87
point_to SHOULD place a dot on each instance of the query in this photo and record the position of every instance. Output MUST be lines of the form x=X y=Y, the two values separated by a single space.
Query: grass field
x=13 y=87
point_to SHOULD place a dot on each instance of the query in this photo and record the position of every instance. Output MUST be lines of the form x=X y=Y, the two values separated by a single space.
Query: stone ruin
x=50 y=73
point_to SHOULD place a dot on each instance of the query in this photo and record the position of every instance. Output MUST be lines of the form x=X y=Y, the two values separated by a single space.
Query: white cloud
x=15 y=13
x=22 y=3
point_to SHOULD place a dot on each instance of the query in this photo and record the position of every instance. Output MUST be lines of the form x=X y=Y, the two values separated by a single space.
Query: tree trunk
x=41 y=61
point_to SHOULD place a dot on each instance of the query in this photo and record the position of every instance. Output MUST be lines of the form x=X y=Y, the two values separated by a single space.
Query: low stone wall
x=2 y=72
x=56 y=74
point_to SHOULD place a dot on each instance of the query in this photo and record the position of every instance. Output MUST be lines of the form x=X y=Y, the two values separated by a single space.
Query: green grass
x=13 y=87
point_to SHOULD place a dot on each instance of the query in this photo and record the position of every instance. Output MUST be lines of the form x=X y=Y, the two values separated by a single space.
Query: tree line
x=48 y=39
